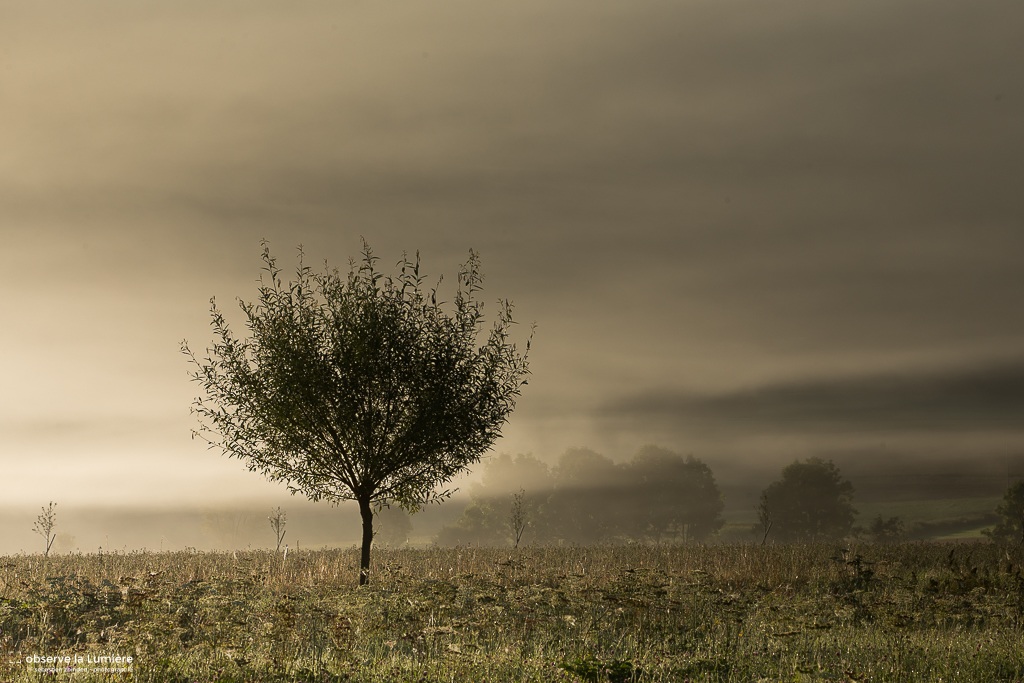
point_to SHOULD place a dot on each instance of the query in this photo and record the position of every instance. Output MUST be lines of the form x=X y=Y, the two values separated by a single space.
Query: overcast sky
x=744 y=229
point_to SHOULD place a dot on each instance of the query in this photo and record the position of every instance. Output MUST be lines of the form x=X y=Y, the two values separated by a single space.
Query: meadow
x=738 y=612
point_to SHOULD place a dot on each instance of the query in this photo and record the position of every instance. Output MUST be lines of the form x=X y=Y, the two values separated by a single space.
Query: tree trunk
x=366 y=512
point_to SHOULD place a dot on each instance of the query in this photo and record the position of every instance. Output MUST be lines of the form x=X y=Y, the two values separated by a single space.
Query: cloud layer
x=984 y=399
x=689 y=198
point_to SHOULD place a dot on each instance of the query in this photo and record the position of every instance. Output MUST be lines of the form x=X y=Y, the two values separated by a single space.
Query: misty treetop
x=588 y=498
x=362 y=387
x=811 y=501
x=676 y=496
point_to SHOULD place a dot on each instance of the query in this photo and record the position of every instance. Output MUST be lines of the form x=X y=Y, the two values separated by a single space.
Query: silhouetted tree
x=671 y=496
x=361 y=387
x=589 y=492
x=1010 y=527
x=811 y=502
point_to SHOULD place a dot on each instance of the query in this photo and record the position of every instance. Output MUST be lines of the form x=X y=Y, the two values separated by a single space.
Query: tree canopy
x=362 y=387
x=810 y=502
x=674 y=497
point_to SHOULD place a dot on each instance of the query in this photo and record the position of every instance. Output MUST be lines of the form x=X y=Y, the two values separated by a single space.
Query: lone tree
x=362 y=387
x=811 y=502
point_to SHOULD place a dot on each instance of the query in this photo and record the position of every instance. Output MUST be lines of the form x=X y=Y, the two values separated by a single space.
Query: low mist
x=582 y=496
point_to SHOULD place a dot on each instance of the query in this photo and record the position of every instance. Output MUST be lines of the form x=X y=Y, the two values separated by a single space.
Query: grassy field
x=913 y=612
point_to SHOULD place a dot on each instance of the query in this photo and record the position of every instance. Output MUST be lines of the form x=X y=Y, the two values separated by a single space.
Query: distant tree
x=1010 y=528
x=883 y=530
x=671 y=497
x=362 y=387
x=811 y=502
x=588 y=497
x=45 y=524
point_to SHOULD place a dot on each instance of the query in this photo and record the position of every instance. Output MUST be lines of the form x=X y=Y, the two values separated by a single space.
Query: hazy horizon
x=747 y=232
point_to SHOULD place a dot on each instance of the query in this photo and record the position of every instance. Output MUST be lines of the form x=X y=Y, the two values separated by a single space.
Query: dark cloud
x=988 y=398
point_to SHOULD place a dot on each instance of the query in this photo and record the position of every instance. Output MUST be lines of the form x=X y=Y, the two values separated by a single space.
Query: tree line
x=661 y=496
x=657 y=496
x=587 y=498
